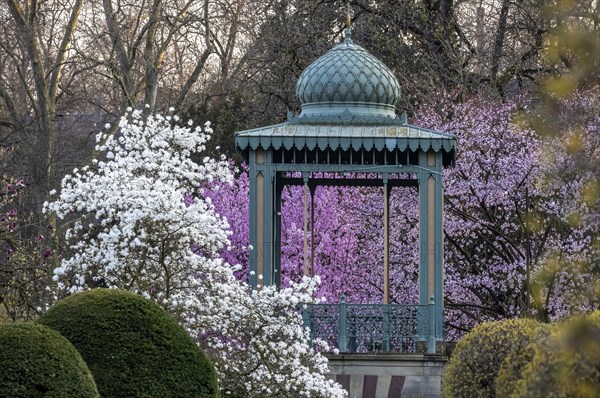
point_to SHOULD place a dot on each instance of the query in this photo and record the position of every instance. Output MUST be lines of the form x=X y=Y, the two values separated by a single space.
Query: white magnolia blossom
x=141 y=223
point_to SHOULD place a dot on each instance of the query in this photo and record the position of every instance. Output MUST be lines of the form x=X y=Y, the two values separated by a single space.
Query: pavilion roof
x=348 y=101
x=337 y=136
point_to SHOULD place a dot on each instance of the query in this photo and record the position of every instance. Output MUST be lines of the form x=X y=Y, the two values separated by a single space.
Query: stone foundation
x=388 y=375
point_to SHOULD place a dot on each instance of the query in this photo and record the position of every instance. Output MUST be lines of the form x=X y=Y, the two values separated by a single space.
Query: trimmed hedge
x=36 y=361
x=567 y=363
x=478 y=356
x=133 y=347
x=517 y=359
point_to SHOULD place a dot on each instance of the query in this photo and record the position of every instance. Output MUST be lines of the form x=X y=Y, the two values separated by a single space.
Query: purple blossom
x=501 y=216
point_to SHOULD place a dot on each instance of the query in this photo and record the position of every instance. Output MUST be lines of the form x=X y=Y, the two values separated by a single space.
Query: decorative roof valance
x=344 y=137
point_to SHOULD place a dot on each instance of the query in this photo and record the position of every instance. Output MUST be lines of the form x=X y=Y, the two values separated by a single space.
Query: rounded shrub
x=36 y=361
x=133 y=347
x=478 y=356
x=517 y=359
x=567 y=363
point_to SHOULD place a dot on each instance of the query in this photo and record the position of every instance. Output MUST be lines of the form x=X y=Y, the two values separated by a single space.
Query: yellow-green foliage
x=516 y=360
x=476 y=361
x=567 y=363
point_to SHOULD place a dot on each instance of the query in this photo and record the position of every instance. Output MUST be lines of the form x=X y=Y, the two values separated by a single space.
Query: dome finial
x=348 y=22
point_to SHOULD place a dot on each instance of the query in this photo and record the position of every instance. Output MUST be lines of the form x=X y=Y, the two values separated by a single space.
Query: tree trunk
x=46 y=78
x=499 y=40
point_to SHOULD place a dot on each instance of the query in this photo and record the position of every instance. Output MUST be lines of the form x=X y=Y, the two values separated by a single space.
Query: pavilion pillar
x=277 y=233
x=262 y=195
x=431 y=235
x=386 y=241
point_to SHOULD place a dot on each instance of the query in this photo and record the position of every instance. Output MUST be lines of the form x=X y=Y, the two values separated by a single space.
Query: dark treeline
x=67 y=68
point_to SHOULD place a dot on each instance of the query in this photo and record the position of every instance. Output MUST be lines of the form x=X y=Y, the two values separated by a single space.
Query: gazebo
x=348 y=125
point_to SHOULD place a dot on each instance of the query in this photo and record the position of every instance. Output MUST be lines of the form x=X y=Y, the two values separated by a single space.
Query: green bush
x=517 y=359
x=475 y=363
x=567 y=363
x=36 y=361
x=132 y=346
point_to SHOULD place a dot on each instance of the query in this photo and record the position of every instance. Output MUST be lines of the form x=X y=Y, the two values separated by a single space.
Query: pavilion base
x=388 y=375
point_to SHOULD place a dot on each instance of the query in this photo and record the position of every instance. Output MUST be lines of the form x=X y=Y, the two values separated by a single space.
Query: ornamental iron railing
x=363 y=328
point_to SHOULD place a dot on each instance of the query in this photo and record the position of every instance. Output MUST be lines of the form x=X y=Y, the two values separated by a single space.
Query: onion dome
x=347 y=80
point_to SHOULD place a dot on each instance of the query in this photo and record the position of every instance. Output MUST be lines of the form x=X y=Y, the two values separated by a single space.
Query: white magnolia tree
x=140 y=222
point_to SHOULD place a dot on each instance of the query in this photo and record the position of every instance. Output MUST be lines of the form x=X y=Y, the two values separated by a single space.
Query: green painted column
x=262 y=195
x=252 y=174
x=439 y=248
x=278 y=189
x=431 y=235
x=386 y=240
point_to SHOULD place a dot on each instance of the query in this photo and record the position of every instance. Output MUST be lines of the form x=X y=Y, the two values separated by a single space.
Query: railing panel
x=370 y=327
x=323 y=320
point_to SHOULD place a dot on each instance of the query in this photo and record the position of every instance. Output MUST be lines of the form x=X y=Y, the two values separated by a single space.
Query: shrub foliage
x=517 y=359
x=567 y=363
x=476 y=361
x=132 y=346
x=36 y=361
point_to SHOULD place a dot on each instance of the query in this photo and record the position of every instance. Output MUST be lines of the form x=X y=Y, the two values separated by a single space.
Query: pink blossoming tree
x=508 y=218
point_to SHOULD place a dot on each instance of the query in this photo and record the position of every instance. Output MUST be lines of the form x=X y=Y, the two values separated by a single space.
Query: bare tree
x=139 y=38
x=43 y=33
